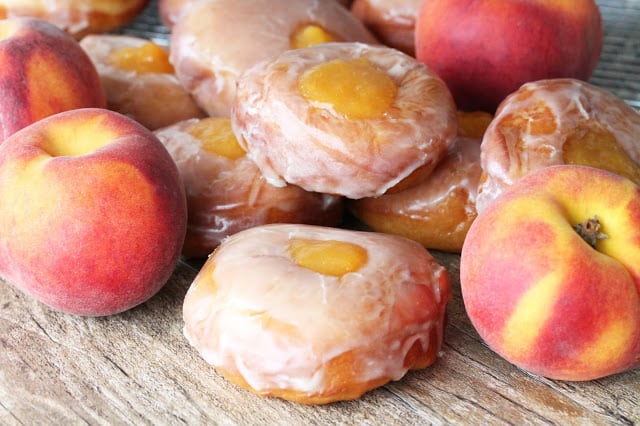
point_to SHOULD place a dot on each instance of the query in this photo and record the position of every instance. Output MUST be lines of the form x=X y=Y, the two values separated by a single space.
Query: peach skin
x=486 y=49
x=93 y=213
x=550 y=273
x=43 y=71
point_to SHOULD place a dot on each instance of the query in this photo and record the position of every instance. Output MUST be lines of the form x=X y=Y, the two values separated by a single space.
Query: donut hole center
x=328 y=257
x=355 y=88
x=148 y=58
x=216 y=137
x=595 y=146
x=308 y=35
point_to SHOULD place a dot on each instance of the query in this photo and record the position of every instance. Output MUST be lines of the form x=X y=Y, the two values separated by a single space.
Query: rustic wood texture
x=136 y=368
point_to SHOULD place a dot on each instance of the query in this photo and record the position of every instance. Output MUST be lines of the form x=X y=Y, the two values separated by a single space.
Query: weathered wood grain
x=136 y=368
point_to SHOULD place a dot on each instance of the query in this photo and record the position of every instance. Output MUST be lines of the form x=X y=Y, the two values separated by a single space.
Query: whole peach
x=43 y=71
x=93 y=212
x=486 y=49
x=550 y=273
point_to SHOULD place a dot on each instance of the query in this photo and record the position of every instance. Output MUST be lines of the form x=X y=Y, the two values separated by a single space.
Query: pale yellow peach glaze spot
x=217 y=137
x=78 y=137
x=356 y=88
x=309 y=35
x=7 y=28
x=328 y=257
x=597 y=147
x=144 y=59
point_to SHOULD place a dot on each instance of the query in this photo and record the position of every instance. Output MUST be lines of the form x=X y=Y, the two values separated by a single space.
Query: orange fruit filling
x=355 y=88
x=329 y=257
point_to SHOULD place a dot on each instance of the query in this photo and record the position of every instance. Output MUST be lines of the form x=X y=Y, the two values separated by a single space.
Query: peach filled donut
x=226 y=192
x=558 y=121
x=139 y=81
x=344 y=118
x=393 y=22
x=438 y=211
x=77 y=18
x=214 y=41
x=316 y=315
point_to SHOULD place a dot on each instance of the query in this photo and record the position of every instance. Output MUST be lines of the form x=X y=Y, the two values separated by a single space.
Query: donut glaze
x=438 y=211
x=226 y=192
x=280 y=329
x=311 y=144
x=391 y=21
x=557 y=121
x=149 y=93
x=77 y=18
x=214 y=41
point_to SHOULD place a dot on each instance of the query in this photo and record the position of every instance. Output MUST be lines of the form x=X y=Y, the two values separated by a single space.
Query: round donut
x=558 y=121
x=77 y=18
x=139 y=81
x=226 y=192
x=438 y=211
x=169 y=10
x=214 y=41
x=316 y=315
x=344 y=118
x=393 y=22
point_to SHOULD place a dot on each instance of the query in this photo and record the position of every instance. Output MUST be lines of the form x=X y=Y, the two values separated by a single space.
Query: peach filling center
x=217 y=137
x=329 y=257
x=355 y=88
x=597 y=147
x=148 y=58
x=310 y=35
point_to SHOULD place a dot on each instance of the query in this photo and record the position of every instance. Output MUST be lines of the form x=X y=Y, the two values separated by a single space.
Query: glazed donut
x=558 y=121
x=214 y=41
x=77 y=18
x=316 y=315
x=437 y=212
x=139 y=81
x=226 y=192
x=391 y=21
x=344 y=118
x=170 y=10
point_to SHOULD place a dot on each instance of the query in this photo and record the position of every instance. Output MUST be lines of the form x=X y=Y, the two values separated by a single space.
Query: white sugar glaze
x=214 y=41
x=252 y=311
x=291 y=140
x=508 y=152
x=228 y=195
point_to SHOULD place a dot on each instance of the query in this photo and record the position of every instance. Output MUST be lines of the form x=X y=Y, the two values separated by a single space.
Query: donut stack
x=306 y=111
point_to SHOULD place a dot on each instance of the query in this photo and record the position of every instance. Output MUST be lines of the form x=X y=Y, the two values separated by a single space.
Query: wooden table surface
x=136 y=368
